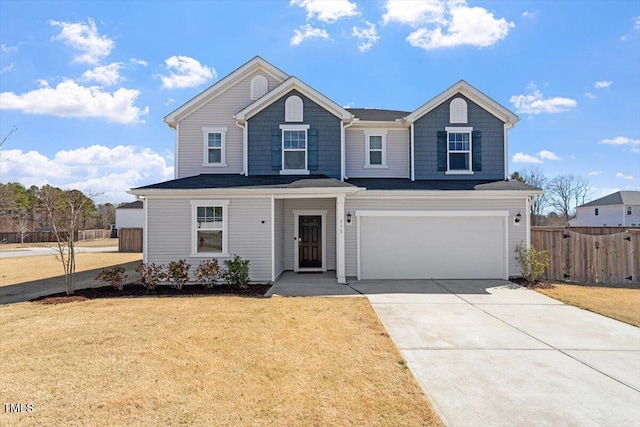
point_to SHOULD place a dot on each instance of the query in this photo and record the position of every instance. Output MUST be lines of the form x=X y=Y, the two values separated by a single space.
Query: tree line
x=561 y=196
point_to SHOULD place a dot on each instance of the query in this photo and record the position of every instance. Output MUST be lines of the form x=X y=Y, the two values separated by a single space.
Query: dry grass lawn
x=29 y=268
x=617 y=303
x=10 y=247
x=206 y=361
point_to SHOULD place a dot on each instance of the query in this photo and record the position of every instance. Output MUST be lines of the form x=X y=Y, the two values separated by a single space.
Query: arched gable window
x=458 y=111
x=259 y=86
x=293 y=109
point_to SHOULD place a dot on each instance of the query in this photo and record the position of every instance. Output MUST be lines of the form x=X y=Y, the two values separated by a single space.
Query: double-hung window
x=629 y=210
x=214 y=146
x=375 y=149
x=294 y=148
x=209 y=227
x=459 y=150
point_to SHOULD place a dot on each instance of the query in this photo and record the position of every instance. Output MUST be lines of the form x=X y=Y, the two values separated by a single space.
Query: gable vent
x=293 y=109
x=458 y=111
x=259 y=86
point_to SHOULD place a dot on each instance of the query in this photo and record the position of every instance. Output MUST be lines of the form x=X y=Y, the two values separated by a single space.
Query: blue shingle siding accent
x=426 y=133
x=326 y=124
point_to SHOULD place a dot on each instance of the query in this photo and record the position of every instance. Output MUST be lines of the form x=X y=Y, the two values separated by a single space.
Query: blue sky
x=87 y=84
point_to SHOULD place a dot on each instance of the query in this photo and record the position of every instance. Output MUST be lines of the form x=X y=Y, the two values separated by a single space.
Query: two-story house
x=270 y=169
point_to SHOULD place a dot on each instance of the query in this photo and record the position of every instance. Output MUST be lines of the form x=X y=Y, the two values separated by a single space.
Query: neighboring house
x=270 y=169
x=130 y=215
x=620 y=209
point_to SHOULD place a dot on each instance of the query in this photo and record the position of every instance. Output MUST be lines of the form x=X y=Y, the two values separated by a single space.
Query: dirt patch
x=62 y=300
x=134 y=290
x=535 y=285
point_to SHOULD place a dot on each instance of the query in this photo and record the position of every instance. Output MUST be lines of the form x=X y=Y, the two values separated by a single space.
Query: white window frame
x=289 y=114
x=254 y=82
x=305 y=128
x=367 y=150
x=195 y=204
x=468 y=130
x=596 y=212
x=629 y=210
x=223 y=137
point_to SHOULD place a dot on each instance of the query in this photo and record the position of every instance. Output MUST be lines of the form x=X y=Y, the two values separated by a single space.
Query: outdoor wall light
x=518 y=217
x=349 y=218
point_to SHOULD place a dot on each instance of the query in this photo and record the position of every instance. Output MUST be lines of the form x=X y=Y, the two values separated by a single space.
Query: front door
x=310 y=241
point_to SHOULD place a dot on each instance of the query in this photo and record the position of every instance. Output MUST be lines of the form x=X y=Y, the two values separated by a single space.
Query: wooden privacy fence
x=591 y=258
x=42 y=236
x=130 y=240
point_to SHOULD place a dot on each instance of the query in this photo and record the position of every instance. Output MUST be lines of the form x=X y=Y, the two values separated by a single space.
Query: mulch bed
x=536 y=285
x=133 y=290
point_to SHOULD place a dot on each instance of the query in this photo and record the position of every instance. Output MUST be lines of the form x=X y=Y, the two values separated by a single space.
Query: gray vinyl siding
x=327 y=124
x=425 y=134
x=169 y=233
x=309 y=204
x=217 y=112
x=279 y=236
x=397 y=155
x=517 y=233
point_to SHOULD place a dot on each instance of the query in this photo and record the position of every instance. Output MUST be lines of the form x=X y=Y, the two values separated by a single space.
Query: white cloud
x=68 y=99
x=307 y=32
x=8 y=49
x=170 y=101
x=9 y=67
x=446 y=24
x=531 y=14
x=534 y=103
x=602 y=84
x=107 y=75
x=525 y=158
x=139 y=62
x=414 y=12
x=186 y=72
x=620 y=140
x=548 y=155
x=590 y=95
x=623 y=176
x=594 y=173
x=327 y=10
x=636 y=23
x=85 y=38
x=367 y=36
x=97 y=168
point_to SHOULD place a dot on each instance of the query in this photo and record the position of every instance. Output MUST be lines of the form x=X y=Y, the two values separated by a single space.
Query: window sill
x=294 y=172
x=214 y=165
x=375 y=167
x=459 y=173
x=208 y=255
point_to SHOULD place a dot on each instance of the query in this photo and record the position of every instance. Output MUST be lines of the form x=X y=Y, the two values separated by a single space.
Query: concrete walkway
x=488 y=353
x=291 y=284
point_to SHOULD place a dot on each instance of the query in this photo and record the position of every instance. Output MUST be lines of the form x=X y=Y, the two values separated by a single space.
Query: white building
x=620 y=209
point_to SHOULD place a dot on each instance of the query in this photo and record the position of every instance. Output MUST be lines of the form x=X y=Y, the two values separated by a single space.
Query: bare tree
x=8 y=136
x=23 y=225
x=534 y=176
x=565 y=192
x=65 y=211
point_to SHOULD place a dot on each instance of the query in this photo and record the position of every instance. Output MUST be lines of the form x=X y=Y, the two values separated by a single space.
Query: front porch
x=310 y=284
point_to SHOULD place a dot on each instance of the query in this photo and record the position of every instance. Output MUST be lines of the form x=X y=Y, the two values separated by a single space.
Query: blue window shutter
x=442 y=150
x=312 y=149
x=476 y=149
x=276 y=149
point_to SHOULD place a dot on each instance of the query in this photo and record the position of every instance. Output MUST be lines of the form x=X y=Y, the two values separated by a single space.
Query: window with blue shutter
x=476 y=150
x=442 y=150
x=312 y=150
x=276 y=149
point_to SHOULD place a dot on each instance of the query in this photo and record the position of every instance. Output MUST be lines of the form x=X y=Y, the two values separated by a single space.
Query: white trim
x=358 y=245
x=206 y=131
x=467 y=130
x=459 y=172
x=145 y=232
x=340 y=245
x=176 y=163
x=505 y=221
x=297 y=213
x=273 y=239
x=506 y=152
x=368 y=133
x=293 y=109
x=412 y=153
x=290 y=128
x=459 y=129
x=295 y=172
x=195 y=204
x=294 y=127
x=253 y=95
x=417 y=213
x=245 y=165
x=528 y=224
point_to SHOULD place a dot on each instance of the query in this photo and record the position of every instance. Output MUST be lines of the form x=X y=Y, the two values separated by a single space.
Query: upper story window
x=214 y=146
x=596 y=212
x=459 y=150
x=629 y=211
x=209 y=227
x=259 y=86
x=294 y=149
x=375 y=149
x=293 y=109
x=458 y=111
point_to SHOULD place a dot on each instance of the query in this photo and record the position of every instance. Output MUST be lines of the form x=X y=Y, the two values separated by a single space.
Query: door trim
x=323 y=225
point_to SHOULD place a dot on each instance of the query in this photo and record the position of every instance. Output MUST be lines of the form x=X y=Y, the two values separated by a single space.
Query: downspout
x=176 y=155
x=343 y=137
x=245 y=148
x=412 y=154
x=506 y=152
x=145 y=228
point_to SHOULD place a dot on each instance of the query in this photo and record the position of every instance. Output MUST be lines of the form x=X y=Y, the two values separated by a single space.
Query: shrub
x=178 y=273
x=114 y=276
x=236 y=272
x=533 y=262
x=150 y=275
x=208 y=272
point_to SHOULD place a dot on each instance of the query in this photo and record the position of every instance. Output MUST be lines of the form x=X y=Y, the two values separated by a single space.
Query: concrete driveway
x=491 y=353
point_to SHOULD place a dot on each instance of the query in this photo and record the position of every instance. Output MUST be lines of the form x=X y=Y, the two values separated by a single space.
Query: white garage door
x=430 y=247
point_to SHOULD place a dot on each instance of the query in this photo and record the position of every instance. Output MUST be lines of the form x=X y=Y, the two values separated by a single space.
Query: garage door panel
x=431 y=247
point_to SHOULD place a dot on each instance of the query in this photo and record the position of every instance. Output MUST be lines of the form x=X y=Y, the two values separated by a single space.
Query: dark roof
x=205 y=181
x=377 y=115
x=617 y=198
x=461 y=184
x=133 y=205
